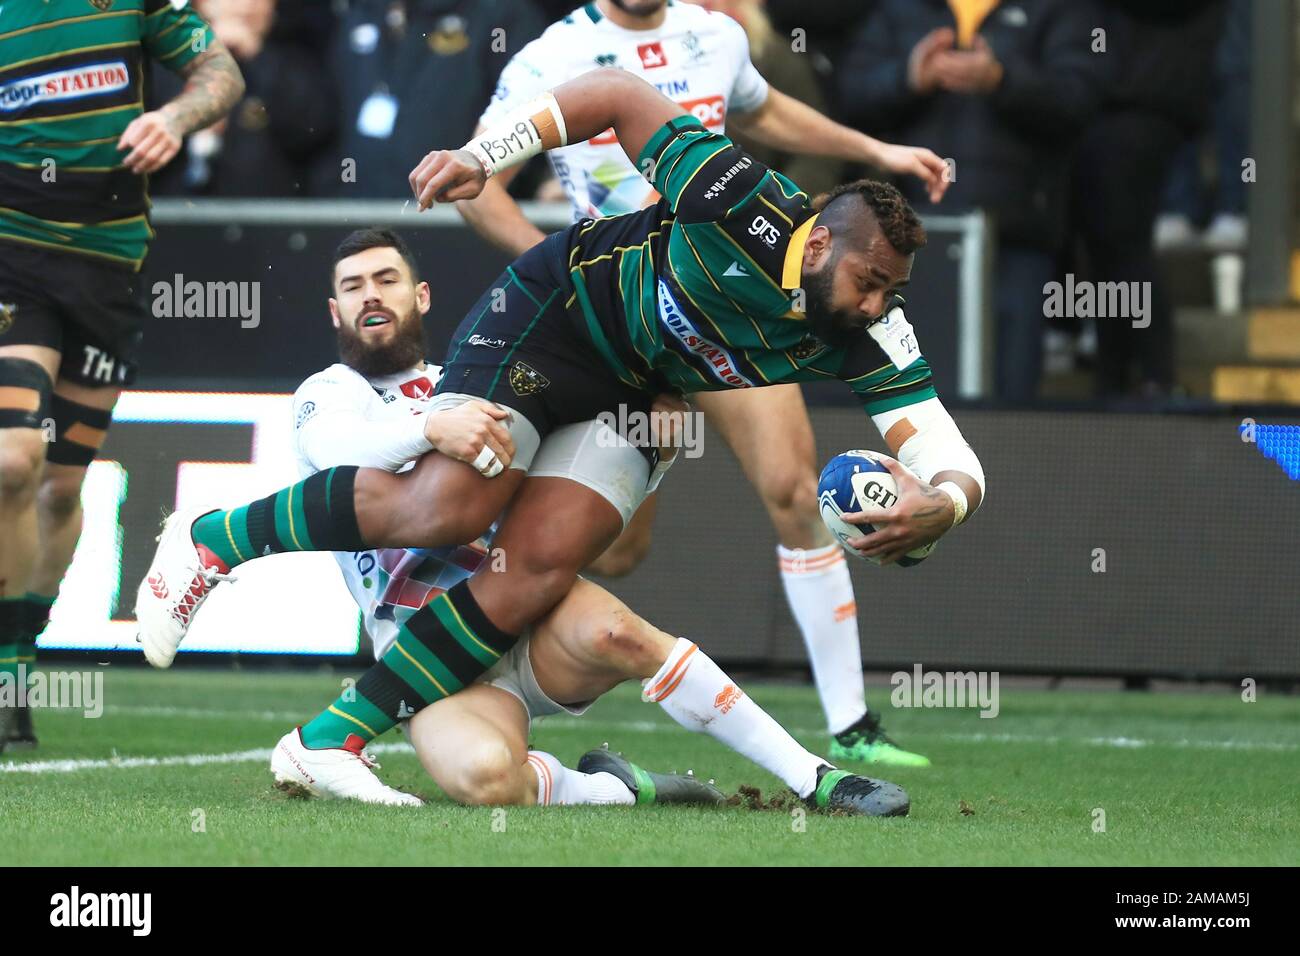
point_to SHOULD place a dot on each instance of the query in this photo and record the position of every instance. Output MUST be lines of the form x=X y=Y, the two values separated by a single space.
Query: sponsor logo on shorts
x=94 y=79
x=720 y=361
x=8 y=310
x=526 y=380
x=486 y=342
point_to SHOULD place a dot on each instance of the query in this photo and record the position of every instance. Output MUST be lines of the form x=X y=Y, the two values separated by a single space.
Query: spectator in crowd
x=1189 y=204
x=1159 y=98
x=1002 y=89
x=790 y=72
x=287 y=116
x=825 y=27
x=413 y=76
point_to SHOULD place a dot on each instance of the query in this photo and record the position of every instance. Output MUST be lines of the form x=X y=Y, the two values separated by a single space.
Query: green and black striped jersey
x=71 y=81
x=698 y=293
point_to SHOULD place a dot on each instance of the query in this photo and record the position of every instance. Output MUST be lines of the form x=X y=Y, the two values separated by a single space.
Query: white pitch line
x=177 y=760
x=636 y=726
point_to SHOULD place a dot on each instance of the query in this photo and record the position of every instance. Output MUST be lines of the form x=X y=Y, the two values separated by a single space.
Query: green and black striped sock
x=317 y=514
x=13 y=615
x=443 y=647
x=38 y=616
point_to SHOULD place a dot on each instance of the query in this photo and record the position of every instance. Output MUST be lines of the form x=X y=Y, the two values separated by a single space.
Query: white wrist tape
x=935 y=443
x=959 y=502
x=487 y=463
x=533 y=128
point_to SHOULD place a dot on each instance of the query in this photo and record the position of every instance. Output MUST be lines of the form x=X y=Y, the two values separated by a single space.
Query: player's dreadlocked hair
x=373 y=238
x=890 y=210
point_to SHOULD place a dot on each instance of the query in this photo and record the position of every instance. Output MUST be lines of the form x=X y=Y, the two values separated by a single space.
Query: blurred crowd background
x=1096 y=154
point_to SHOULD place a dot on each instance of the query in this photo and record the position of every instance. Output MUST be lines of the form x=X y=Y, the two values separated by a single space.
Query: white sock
x=820 y=592
x=699 y=696
x=557 y=784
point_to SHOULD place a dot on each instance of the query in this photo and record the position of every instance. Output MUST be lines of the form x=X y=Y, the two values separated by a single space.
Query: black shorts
x=520 y=347
x=90 y=311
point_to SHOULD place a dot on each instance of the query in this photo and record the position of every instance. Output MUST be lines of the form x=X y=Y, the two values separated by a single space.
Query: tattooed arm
x=213 y=84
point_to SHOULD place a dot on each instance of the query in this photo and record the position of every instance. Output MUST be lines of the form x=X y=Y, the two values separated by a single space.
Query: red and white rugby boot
x=343 y=773
x=180 y=578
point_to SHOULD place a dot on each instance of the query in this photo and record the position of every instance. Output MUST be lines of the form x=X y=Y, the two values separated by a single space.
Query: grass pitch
x=175 y=772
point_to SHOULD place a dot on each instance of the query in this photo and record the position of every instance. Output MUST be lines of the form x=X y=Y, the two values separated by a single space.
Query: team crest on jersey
x=526 y=380
x=691 y=43
x=807 y=348
x=101 y=5
x=7 y=312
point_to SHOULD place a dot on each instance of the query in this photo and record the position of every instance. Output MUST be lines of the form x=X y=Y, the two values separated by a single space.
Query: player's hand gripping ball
x=855 y=481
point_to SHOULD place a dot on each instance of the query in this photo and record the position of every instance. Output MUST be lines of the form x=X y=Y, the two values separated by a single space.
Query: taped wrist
x=533 y=128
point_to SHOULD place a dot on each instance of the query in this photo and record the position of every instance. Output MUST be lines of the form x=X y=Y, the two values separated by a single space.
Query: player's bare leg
x=80 y=416
x=439 y=502
x=593 y=641
x=27 y=374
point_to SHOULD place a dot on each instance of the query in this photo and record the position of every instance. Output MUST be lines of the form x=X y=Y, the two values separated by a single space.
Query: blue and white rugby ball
x=855 y=481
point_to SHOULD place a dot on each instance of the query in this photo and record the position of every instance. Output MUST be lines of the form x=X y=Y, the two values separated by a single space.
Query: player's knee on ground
x=488 y=775
x=22 y=457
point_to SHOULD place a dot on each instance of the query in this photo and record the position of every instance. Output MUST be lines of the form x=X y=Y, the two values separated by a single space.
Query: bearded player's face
x=377 y=310
x=847 y=289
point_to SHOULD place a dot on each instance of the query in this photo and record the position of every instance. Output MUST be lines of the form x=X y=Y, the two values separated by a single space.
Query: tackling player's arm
x=330 y=431
x=786 y=124
x=577 y=110
x=178 y=38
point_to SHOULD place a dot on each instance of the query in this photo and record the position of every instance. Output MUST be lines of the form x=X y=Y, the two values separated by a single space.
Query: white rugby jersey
x=343 y=418
x=697 y=58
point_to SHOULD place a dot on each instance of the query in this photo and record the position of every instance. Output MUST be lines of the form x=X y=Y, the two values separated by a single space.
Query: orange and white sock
x=701 y=697
x=557 y=784
x=820 y=593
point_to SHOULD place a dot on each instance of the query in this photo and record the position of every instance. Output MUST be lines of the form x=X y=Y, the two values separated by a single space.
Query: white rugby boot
x=344 y=773
x=180 y=578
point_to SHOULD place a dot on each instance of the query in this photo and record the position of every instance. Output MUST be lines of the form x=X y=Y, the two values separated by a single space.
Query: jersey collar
x=792 y=269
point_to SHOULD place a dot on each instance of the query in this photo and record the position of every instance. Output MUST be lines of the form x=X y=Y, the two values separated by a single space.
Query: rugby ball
x=854 y=481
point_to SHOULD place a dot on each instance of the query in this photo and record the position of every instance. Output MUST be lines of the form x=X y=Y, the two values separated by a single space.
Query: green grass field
x=1186 y=778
